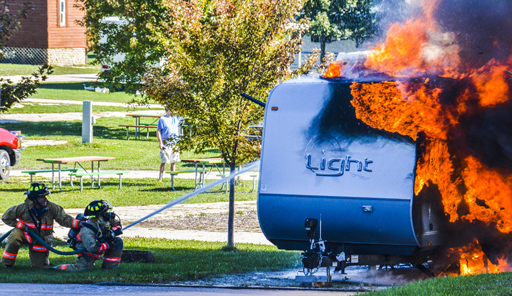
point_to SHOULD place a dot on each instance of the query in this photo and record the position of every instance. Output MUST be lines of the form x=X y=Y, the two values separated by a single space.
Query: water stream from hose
x=196 y=192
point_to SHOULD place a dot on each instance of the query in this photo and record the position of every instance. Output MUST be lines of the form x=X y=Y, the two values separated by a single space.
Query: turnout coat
x=90 y=237
x=23 y=215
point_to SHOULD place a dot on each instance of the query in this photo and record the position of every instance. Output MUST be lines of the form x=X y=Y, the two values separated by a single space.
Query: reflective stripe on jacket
x=19 y=217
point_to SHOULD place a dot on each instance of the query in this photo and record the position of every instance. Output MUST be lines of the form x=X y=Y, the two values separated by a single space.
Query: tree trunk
x=322 y=49
x=231 y=215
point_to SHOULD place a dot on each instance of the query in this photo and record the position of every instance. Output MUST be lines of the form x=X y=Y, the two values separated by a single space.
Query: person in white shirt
x=167 y=133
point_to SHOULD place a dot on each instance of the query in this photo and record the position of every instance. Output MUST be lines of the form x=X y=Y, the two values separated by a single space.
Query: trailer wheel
x=5 y=165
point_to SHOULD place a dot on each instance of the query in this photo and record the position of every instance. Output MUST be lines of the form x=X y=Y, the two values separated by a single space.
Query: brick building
x=49 y=35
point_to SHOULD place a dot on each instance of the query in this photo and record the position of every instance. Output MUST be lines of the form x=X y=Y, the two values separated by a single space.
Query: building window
x=62 y=12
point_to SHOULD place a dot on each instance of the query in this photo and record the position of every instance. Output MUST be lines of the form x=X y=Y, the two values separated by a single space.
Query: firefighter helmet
x=97 y=208
x=37 y=190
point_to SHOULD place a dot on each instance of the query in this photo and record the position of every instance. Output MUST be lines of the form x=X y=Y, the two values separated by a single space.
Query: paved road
x=73 y=289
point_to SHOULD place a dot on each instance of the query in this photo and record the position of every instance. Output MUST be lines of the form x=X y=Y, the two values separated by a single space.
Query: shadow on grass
x=91 y=55
x=73 y=128
x=106 y=182
x=80 y=86
x=21 y=191
x=63 y=86
x=181 y=189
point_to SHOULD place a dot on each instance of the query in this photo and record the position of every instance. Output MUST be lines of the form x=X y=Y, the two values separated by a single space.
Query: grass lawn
x=483 y=284
x=32 y=108
x=17 y=69
x=135 y=192
x=173 y=261
x=20 y=69
x=75 y=91
x=108 y=140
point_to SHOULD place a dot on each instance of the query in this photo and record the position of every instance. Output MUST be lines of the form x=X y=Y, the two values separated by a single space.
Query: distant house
x=335 y=47
x=48 y=35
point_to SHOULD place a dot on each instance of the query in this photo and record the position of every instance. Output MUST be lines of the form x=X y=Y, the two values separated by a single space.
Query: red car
x=10 y=152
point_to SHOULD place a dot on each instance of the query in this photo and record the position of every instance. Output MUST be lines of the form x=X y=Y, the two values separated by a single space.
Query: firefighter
x=38 y=214
x=99 y=235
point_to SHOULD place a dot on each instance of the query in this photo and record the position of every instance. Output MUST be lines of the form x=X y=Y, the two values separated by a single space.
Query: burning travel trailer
x=404 y=155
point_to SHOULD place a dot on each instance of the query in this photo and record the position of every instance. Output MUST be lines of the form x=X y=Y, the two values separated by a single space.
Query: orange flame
x=473 y=260
x=399 y=107
x=334 y=70
x=491 y=84
x=416 y=49
x=488 y=195
x=413 y=108
x=436 y=166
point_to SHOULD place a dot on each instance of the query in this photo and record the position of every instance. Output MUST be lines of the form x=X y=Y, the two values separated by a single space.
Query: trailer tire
x=5 y=165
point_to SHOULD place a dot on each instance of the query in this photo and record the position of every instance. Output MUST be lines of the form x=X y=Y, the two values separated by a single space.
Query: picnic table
x=204 y=162
x=76 y=160
x=139 y=126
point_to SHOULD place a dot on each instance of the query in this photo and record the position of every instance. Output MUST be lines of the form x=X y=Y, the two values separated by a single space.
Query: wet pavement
x=356 y=278
x=72 y=289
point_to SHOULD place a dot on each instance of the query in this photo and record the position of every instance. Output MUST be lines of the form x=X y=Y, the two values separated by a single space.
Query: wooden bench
x=252 y=175
x=34 y=172
x=101 y=173
x=175 y=173
x=137 y=129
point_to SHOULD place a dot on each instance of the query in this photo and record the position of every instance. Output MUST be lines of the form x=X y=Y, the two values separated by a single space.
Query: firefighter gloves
x=109 y=236
x=103 y=247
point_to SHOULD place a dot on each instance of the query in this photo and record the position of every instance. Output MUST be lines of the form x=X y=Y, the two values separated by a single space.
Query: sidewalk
x=184 y=211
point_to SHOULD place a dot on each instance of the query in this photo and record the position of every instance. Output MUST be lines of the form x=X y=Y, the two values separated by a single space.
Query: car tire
x=5 y=165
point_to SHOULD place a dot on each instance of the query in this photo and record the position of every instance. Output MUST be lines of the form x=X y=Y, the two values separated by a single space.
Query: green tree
x=218 y=49
x=331 y=20
x=10 y=23
x=133 y=37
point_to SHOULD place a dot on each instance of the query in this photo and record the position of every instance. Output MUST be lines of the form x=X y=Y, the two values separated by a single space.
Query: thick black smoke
x=483 y=32
x=488 y=136
x=483 y=29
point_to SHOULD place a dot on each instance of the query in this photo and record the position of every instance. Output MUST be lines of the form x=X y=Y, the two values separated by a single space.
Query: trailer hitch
x=312 y=258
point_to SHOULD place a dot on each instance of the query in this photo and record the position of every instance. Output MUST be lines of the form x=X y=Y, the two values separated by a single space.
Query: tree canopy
x=214 y=50
x=218 y=49
x=331 y=20
x=132 y=37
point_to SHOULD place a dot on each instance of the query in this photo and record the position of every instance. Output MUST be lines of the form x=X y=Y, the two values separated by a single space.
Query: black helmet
x=37 y=190
x=97 y=208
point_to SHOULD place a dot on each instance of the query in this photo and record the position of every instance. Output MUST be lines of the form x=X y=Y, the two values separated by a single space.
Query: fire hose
x=5 y=235
x=46 y=245
x=168 y=205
